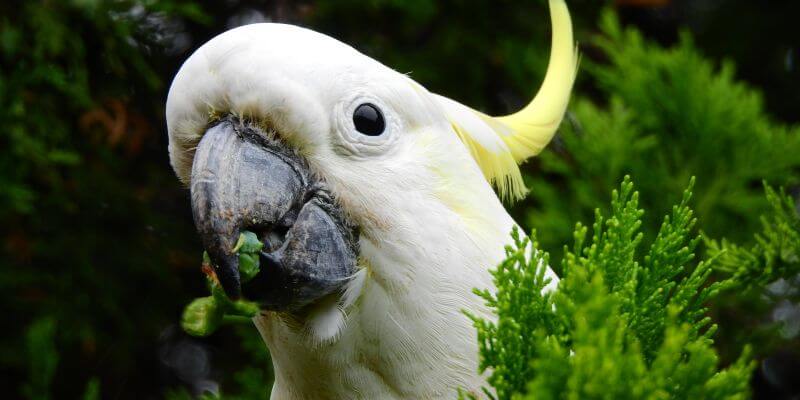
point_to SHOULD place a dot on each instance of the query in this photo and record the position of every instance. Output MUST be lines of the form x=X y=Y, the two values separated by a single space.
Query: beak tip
x=227 y=271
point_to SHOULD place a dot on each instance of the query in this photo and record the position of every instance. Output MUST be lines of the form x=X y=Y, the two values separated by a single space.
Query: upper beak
x=243 y=179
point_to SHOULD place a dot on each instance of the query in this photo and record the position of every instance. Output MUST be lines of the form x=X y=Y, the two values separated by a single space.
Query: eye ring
x=368 y=120
x=350 y=140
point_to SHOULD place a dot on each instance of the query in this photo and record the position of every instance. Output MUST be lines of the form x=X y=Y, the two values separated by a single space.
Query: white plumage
x=431 y=225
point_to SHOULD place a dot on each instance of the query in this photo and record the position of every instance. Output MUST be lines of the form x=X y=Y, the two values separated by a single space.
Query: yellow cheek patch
x=448 y=185
x=459 y=202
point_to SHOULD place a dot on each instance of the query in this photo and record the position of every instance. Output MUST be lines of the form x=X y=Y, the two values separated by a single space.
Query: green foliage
x=248 y=247
x=776 y=252
x=85 y=193
x=43 y=361
x=97 y=235
x=663 y=114
x=623 y=323
x=41 y=350
x=462 y=57
x=204 y=315
x=509 y=345
x=253 y=379
x=48 y=70
x=92 y=390
x=667 y=114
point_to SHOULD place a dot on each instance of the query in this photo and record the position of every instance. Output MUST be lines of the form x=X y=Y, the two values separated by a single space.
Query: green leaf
x=249 y=266
x=43 y=358
x=775 y=253
x=623 y=323
x=248 y=243
x=248 y=247
x=202 y=316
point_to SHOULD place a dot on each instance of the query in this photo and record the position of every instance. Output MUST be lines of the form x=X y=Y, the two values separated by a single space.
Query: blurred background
x=99 y=254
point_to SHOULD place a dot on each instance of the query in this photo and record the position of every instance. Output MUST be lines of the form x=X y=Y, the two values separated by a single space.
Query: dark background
x=99 y=254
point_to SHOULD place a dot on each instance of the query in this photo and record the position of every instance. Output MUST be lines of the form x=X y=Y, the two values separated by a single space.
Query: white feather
x=430 y=224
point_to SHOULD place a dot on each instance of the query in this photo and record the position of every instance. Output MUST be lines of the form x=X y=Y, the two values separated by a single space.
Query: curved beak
x=245 y=179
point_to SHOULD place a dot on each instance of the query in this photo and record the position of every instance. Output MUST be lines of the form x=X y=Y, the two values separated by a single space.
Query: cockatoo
x=374 y=198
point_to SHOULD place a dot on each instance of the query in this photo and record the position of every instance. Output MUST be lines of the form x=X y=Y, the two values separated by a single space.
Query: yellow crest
x=499 y=144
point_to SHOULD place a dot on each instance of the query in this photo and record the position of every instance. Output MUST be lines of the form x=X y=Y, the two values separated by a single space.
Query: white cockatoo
x=374 y=198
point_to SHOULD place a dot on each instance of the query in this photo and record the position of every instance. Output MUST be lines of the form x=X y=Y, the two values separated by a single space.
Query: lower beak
x=244 y=179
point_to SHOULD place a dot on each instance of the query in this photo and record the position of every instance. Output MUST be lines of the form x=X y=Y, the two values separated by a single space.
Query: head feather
x=499 y=144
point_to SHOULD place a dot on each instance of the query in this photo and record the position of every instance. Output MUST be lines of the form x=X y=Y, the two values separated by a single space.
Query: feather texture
x=430 y=224
x=499 y=144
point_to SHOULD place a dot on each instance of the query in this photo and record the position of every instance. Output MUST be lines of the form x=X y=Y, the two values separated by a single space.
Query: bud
x=202 y=316
x=248 y=246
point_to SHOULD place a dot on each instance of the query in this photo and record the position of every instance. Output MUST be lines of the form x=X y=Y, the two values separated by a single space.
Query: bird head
x=341 y=164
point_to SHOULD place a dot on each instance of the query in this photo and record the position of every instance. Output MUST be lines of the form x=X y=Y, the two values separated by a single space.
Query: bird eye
x=368 y=120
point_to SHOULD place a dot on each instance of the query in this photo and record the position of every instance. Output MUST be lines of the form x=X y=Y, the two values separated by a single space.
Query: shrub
x=626 y=321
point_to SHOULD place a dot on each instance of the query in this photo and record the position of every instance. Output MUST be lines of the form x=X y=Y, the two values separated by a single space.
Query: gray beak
x=246 y=179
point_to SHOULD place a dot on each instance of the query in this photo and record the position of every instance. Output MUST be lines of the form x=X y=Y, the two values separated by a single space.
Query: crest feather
x=489 y=151
x=498 y=144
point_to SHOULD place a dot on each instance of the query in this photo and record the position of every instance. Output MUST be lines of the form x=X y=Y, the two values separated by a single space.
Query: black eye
x=368 y=120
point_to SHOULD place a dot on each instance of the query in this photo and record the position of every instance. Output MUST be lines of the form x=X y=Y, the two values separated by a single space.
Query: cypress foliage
x=775 y=253
x=626 y=321
x=664 y=114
